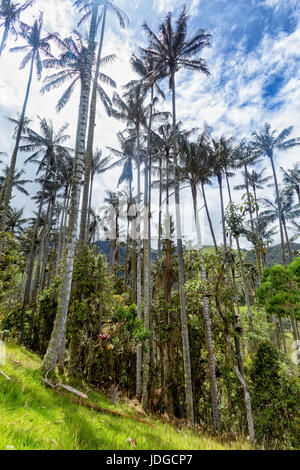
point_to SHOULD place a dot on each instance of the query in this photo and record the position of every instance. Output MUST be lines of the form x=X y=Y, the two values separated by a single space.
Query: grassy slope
x=35 y=417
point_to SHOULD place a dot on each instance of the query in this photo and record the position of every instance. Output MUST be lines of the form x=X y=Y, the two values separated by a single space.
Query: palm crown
x=72 y=62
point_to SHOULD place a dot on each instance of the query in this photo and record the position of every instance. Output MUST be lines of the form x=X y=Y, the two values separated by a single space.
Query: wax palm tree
x=72 y=65
x=289 y=212
x=108 y=7
x=99 y=165
x=10 y=13
x=195 y=172
x=172 y=50
x=36 y=44
x=195 y=168
x=49 y=153
x=291 y=179
x=267 y=142
x=58 y=332
x=132 y=110
x=15 y=220
x=18 y=183
x=47 y=147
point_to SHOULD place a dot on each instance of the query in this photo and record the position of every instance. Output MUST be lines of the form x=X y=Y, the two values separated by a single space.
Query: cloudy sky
x=254 y=63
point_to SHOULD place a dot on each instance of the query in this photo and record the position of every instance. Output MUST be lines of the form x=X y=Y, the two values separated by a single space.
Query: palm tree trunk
x=208 y=217
x=184 y=320
x=4 y=38
x=147 y=259
x=11 y=171
x=30 y=265
x=279 y=208
x=90 y=139
x=51 y=356
x=219 y=176
x=90 y=199
x=246 y=292
x=207 y=323
x=139 y=270
x=258 y=265
x=160 y=212
x=287 y=238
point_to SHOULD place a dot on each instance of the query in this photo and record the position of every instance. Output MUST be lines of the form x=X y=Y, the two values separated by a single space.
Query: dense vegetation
x=207 y=336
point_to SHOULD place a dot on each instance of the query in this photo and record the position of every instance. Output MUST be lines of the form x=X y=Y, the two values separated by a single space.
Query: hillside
x=273 y=255
x=35 y=417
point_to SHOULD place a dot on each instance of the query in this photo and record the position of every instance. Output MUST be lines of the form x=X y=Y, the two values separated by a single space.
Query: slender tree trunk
x=184 y=320
x=246 y=292
x=50 y=359
x=279 y=208
x=11 y=171
x=208 y=217
x=147 y=259
x=4 y=38
x=139 y=270
x=90 y=138
x=207 y=323
x=30 y=265
x=90 y=199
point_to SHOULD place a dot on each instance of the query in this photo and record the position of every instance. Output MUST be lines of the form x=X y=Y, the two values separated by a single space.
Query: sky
x=254 y=64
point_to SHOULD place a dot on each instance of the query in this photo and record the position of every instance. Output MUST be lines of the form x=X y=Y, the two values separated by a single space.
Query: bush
x=275 y=400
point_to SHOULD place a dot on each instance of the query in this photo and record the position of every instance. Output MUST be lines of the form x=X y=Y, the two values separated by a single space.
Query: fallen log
x=72 y=390
x=4 y=375
x=91 y=405
x=110 y=412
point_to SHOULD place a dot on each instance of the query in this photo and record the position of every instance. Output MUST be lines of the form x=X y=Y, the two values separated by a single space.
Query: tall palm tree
x=72 y=65
x=289 y=212
x=267 y=142
x=10 y=13
x=172 y=50
x=36 y=45
x=132 y=110
x=48 y=151
x=57 y=336
x=99 y=165
x=291 y=179
x=17 y=183
x=191 y=159
x=108 y=6
x=15 y=220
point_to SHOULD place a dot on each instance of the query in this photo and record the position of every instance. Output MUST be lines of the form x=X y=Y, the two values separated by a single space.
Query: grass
x=35 y=417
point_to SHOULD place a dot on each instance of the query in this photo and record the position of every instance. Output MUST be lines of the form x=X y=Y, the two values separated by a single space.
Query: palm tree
x=36 y=45
x=57 y=336
x=172 y=50
x=191 y=159
x=18 y=183
x=48 y=151
x=15 y=220
x=72 y=65
x=132 y=110
x=99 y=165
x=289 y=212
x=291 y=179
x=266 y=142
x=10 y=13
x=108 y=6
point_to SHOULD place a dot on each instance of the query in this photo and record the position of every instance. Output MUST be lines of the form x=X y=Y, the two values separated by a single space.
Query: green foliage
x=275 y=399
x=279 y=292
x=47 y=311
x=11 y=263
x=90 y=296
x=130 y=327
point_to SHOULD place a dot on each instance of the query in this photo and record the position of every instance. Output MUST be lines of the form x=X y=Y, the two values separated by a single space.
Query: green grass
x=35 y=417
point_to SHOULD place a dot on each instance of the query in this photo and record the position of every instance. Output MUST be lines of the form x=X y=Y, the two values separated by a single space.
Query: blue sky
x=253 y=61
